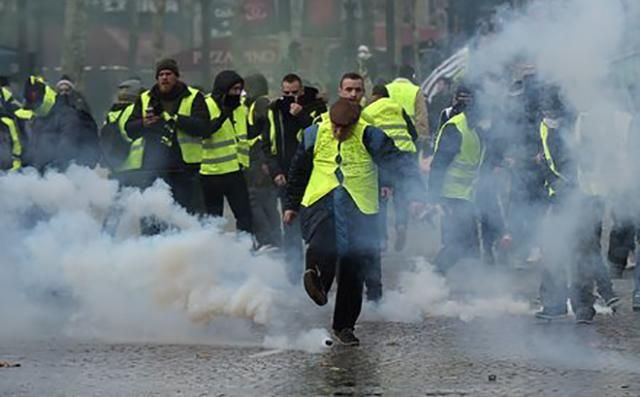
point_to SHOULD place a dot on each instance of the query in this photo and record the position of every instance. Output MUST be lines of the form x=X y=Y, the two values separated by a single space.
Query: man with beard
x=333 y=184
x=222 y=162
x=171 y=118
x=288 y=116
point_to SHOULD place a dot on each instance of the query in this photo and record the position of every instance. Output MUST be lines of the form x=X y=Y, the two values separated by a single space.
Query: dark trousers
x=233 y=187
x=459 y=234
x=348 y=270
x=292 y=244
x=266 y=217
x=574 y=252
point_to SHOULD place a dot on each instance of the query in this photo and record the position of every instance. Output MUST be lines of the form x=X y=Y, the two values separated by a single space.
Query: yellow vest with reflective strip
x=462 y=174
x=16 y=146
x=190 y=146
x=251 y=121
x=404 y=92
x=220 y=151
x=387 y=115
x=136 y=148
x=544 y=137
x=351 y=158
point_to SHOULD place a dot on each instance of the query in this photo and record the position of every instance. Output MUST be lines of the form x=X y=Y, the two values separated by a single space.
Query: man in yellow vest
x=409 y=96
x=171 y=118
x=263 y=194
x=333 y=184
x=458 y=155
x=122 y=155
x=222 y=170
x=10 y=142
x=572 y=243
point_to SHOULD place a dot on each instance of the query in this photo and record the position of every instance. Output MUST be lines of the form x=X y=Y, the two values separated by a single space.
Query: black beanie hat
x=167 y=64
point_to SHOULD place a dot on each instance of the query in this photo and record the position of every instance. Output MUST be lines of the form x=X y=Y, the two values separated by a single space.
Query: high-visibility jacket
x=462 y=174
x=350 y=159
x=16 y=145
x=220 y=152
x=48 y=100
x=136 y=149
x=251 y=120
x=548 y=157
x=404 y=92
x=388 y=116
x=190 y=146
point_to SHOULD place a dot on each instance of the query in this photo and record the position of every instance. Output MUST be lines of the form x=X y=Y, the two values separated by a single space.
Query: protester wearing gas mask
x=288 y=116
x=225 y=153
x=171 y=118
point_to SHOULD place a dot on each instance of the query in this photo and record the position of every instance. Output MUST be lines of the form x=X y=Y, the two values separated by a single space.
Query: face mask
x=232 y=101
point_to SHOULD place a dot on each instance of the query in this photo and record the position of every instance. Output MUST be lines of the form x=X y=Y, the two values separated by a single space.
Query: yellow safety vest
x=544 y=137
x=48 y=100
x=136 y=148
x=387 y=115
x=220 y=152
x=404 y=92
x=251 y=121
x=462 y=174
x=351 y=158
x=16 y=146
x=190 y=146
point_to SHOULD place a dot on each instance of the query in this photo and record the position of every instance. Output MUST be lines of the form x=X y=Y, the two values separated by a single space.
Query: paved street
x=505 y=355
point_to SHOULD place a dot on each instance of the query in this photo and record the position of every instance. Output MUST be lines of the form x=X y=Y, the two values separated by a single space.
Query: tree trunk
x=205 y=10
x=75 y=42
x=158 y=28
x=134 y=35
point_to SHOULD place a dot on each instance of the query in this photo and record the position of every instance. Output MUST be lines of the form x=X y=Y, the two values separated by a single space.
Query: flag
x=452 y=68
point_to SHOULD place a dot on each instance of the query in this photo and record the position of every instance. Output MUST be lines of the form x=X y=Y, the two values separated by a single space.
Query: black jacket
x=288 y=128
x=161 y=149
x=62 y=136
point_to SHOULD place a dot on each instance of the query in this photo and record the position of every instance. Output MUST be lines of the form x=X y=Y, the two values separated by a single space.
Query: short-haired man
x=288 y=116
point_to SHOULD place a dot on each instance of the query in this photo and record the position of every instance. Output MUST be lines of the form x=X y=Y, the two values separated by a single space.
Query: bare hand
x=149 y=120
x=295 y=109
x=265 y=169
x=289 y=216
x=280 y=180
x=386 y=192
x=425 y=164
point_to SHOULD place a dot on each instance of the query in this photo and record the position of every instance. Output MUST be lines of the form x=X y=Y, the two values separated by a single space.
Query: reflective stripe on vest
x=404 y=92
x=16 y=146
x=220 y=150
x=136 y=150
x=251 y=120
x=272 y=132
x=544 y=137
x=387 y=115
x=352 y=160
x=190 y=146
x=462 y=174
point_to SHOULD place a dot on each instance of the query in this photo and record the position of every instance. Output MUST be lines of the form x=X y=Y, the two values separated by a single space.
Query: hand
x=505 y=242
x=295 y=109
x=280 y=180
x=150 y=119
x=386 y=193
x=425 y=164
x=289 y=216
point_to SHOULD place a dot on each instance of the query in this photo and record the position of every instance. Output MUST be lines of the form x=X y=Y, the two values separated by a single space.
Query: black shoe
x=635 y=302
x=401 y=238
x=346 y=337
x=551 y=314
x=585 y=315
x=313 y=286
x=613 y=302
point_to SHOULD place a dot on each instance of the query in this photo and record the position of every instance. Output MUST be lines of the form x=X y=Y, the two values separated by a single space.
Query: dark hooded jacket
x=161 y=148
x=226 y=103
x=59 y=132
x=288 y=129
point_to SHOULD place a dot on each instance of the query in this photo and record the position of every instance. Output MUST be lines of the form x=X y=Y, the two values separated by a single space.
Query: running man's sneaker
x=313 y=286
x=551 y=314
x=346 y=337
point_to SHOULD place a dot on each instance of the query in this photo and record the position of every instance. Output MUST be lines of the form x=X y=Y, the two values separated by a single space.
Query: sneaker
x=313 y=286
x=551 y=314
x=346 y=337
x=401 y=238
x=635 y=303
x=613 y=302
x=585 y=315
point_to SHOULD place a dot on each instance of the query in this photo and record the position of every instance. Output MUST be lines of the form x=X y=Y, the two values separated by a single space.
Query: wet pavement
x=440 y=356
